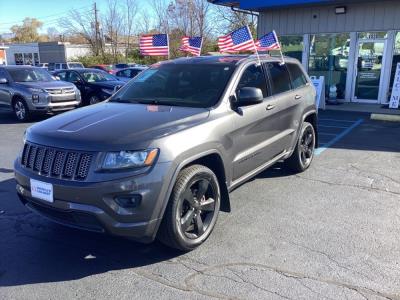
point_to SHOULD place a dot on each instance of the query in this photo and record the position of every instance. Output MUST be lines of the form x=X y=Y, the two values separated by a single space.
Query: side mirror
x=249 y=96
x=3 y=80
x=56 y=78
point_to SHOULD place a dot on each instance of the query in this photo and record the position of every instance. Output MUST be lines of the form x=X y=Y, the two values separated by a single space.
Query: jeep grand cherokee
x=159 y=158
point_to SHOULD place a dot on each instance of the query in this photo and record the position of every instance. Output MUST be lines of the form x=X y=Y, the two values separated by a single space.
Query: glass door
x=369 y=59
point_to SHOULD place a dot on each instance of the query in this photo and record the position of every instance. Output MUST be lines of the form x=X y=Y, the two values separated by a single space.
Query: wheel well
x=17 y=97
x=215 y=164
x=313 y=119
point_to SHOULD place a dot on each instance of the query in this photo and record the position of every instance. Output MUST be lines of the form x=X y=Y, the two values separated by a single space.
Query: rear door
x=287 y=105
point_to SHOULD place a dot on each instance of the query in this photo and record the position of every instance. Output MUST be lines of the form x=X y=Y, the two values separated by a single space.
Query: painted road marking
x=325 y=133
x=331 y=126
x=339 y=136
x=337 y=120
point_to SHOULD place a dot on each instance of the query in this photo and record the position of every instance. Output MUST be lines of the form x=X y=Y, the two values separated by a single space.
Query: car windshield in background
x=75 y=65
x=191 y=85
x=29 y=75
x=93 y=76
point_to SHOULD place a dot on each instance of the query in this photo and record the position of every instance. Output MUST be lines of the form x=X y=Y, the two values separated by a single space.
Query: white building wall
x=74 y=51
x=24 y=49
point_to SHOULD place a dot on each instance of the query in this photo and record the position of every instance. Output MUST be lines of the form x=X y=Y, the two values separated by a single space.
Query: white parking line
x=325 y=133
x=339 y=136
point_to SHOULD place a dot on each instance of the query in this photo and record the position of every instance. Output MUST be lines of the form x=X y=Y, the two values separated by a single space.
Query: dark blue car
x=95 y=85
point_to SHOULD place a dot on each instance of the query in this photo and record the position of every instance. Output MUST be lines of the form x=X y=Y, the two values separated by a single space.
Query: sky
x=48 y=11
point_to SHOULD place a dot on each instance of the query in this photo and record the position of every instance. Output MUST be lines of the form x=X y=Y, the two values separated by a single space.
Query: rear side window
x=254 y=76
x=297 y=76
x=279 y=77
x=62 y=76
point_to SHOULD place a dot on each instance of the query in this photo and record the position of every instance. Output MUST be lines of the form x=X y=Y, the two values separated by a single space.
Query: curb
x=384 y=117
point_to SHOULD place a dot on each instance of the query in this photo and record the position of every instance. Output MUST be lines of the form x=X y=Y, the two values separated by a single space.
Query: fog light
x=128 y=201
x=35 y=98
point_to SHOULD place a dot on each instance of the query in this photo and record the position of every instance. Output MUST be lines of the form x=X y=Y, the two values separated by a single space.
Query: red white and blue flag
x=236 y=41
x=192 y=45
x=268 y=42
x=154 y=45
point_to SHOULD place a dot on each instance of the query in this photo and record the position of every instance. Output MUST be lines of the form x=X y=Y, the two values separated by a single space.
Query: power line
x=42 y=18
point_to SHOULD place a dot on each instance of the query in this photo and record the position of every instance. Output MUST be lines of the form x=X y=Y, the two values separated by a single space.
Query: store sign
x=319 y=84
x=395 y=97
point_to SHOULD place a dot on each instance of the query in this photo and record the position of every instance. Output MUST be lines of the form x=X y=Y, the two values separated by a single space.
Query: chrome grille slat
x=57 y=163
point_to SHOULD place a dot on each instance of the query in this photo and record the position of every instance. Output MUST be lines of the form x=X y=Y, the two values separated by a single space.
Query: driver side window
x=254 y=76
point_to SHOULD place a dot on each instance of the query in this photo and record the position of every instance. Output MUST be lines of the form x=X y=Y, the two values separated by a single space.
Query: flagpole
x=280 y=48
x=168 y=45
x=201 y=46
x=254 y=44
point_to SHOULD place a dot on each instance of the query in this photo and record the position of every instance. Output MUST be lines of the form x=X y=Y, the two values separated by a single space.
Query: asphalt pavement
x=330 y=233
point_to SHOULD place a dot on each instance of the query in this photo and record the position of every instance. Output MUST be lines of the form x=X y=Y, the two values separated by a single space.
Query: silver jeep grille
x=60 y=91
x=56 y=163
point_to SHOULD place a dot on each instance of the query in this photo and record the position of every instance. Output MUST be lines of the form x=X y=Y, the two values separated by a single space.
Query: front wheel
x=192 y=210
x=304 y=152
x=93 y=99
x=21 y=110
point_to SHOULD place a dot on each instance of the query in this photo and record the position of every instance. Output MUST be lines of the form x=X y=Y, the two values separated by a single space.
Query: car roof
x=228 y=59
x=133 y=68
x=81 y=70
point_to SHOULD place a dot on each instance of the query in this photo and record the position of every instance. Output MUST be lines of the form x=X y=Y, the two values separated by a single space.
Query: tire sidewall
x=184 y=241
x=305 y=126
x=14 y=103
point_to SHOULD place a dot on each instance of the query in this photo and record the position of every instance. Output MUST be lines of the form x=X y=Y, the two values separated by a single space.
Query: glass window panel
x=395 y=61
x=329 y=57
x=279 y=77
x=292 y=46
x=254 y=76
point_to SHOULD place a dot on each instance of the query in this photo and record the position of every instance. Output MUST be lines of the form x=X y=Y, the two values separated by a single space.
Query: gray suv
x=159 y=158
x=32 y=90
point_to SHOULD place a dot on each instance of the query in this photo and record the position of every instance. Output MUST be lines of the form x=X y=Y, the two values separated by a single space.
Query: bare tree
x=160 y=8
x=227 y=20
x=78 y=23
x=131 y=10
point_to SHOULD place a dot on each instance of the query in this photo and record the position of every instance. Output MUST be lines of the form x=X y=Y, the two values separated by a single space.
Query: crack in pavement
x=370 y=189
x=358 y=289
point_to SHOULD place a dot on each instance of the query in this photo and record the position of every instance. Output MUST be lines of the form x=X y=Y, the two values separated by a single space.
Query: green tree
x=27 y=32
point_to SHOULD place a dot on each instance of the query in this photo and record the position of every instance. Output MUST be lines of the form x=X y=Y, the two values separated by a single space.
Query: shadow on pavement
x=35 y=250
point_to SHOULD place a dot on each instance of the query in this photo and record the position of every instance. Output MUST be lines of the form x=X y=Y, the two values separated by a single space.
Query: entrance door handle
x=297 y=97
x=270 y=107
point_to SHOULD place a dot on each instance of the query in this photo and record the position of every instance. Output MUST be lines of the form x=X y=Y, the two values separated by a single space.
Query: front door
x=368 y=70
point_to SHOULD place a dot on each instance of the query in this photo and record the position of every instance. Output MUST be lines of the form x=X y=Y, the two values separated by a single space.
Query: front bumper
x=92 y=206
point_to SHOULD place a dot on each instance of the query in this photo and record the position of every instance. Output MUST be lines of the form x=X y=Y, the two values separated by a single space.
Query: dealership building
x=355 y=45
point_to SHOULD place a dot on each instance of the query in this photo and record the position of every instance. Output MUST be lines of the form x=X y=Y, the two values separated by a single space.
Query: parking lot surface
x=330 y=233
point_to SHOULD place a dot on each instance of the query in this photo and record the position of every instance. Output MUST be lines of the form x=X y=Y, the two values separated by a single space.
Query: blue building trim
x=262 y=4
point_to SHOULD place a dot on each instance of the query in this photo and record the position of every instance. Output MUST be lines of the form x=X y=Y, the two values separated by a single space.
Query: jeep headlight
x=129 y=159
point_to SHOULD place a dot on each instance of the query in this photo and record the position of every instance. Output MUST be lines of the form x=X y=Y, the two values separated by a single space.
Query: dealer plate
x=42 y=190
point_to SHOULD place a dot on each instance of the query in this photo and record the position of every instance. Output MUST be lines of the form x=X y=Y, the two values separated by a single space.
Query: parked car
x=32 y=90
x=44 y=66
x=129 y=73
x=106 y=68
x=64 y=66
x=121 y=66
x=159 y=158
x=95 y=85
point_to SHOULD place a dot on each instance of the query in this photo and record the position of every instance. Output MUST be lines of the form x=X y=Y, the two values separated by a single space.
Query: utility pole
x=96 y=28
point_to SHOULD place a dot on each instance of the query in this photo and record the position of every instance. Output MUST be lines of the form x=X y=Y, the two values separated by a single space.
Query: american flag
x=236 y=41
x=191 y=44
x=154 y=45
x=268 y=42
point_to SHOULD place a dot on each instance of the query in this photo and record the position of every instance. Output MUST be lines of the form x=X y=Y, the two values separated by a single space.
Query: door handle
x=297 y=97
x=270 y=107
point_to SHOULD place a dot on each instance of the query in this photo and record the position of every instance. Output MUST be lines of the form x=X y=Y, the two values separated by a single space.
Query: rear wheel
x=21 y=110
x=93 y=99
x=192 y=210
x=304 y=152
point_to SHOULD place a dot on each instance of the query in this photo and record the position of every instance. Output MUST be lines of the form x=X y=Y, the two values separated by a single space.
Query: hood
x=107 y=84
x=45 y=84
x=114 y=126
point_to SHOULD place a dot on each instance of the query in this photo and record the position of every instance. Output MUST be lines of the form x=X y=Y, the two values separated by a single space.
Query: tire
x=187 y=221
x=303 y=154
x=21 y=110
x=93 y=99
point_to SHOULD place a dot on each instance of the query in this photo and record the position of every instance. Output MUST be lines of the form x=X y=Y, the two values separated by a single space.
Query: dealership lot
x=331 y=232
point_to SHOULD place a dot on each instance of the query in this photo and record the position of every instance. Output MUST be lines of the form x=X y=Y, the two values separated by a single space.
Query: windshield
x=97 y=76
x=75 y=65
x=29 y=75
x=191 y=85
